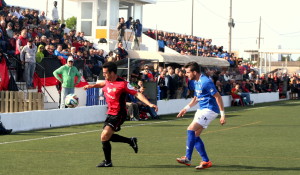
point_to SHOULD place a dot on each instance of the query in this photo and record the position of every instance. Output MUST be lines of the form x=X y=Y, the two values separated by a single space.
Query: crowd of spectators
x=53 y=40
x=173 y=84
x=190 y=45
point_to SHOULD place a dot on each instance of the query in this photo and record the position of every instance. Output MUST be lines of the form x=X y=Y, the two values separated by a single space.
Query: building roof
x=137 y=1
x=177 y=58
x=279 y=51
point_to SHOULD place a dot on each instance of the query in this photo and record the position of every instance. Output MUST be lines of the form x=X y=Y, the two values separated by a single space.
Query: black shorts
x=115 y=121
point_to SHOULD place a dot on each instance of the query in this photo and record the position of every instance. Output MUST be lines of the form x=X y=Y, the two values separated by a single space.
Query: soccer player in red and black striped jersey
x=115 y=90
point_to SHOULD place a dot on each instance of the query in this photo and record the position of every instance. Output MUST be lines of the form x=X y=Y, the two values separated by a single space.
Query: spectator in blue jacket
x=128 y=23
x=137 y=28
x=161 y=44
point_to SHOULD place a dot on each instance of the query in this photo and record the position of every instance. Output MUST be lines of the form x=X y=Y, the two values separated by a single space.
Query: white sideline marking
x=144 y=124
x=75 y=133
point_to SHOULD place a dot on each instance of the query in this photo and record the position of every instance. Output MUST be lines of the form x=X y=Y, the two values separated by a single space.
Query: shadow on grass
x=252 y=168
x=158 y=166
x=224 y=168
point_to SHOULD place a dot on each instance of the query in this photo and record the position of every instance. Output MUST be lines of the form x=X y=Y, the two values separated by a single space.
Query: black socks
x=107 y=147
x=107 y=151
x=118 y=138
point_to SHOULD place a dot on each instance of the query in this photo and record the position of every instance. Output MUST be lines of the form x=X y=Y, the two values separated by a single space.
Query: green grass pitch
x=261 y=139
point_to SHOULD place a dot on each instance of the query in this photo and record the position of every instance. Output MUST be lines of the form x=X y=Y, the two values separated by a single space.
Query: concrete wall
x=80 y=92
x=174 y=106
x=33 y=120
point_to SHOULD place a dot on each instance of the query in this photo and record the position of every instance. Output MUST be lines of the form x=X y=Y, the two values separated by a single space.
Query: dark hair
x=193 y=66
x=111 y=67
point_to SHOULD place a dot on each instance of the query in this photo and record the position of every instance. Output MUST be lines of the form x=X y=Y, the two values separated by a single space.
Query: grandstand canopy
x=177 y=58
x=279 y=51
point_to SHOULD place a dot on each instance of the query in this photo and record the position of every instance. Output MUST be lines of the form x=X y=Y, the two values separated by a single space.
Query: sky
x=41 y=5
x=280 y=25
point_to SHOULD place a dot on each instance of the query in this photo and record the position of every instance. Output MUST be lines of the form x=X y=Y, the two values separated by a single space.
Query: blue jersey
x=204 y=91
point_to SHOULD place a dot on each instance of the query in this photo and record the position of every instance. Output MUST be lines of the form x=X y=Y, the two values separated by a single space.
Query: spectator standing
x=137 y=28
x=55 y=16
x=128 y=22
x=173 y=83
x=161 y=44
x=68 y=72
x=20 y=43
x=121 y=29
x=27 y=56
x=181 y=83
x=162 y=82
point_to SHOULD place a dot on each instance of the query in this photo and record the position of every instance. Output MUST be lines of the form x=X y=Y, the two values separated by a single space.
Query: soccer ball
x=71 y=100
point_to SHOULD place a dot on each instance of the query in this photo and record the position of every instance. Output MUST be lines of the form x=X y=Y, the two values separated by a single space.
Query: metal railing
x=95 y=97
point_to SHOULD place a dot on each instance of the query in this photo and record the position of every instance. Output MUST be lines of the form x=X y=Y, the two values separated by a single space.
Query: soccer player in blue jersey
x=210 y=103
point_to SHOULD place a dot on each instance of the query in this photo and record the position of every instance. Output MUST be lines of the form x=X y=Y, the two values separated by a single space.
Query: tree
x=71 y=22
x=286 y=57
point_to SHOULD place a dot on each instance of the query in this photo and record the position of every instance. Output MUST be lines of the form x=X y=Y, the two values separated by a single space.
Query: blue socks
x=199 y=145
x=193 y=141
x=190 y=143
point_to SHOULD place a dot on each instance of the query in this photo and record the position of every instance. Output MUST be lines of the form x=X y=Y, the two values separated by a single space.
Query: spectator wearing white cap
x=68 y=73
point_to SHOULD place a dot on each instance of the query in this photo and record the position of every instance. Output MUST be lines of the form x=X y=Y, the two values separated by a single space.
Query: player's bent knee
x=105 y=138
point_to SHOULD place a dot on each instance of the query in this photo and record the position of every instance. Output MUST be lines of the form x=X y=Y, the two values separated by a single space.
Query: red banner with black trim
x=4 y=76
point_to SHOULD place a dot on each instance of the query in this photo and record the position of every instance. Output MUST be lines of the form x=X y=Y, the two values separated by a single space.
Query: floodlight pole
x=192 y=27
x=46 y=7
x=62 y=11
x=231 y=24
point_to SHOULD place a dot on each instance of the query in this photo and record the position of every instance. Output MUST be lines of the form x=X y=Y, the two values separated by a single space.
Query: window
x=102 y=13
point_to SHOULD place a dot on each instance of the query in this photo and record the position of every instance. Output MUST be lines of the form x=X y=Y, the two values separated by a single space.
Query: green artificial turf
x=260 y=139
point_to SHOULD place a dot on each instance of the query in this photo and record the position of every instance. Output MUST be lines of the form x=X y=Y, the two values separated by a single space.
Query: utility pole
x=259 y=32
x=62 y=11
x=192 y=27
x=231 y=24
x=259 y=54
x=46 y=7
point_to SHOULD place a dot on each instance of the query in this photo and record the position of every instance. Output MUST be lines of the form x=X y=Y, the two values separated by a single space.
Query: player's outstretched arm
x=221 y=107
x=141 y=97
x=98 y=85
x=187 y=107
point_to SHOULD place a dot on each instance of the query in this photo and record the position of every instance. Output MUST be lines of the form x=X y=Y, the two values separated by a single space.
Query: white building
x=99 y=18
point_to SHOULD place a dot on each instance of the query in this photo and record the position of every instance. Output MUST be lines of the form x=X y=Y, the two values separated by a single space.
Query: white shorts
x=204 y=117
